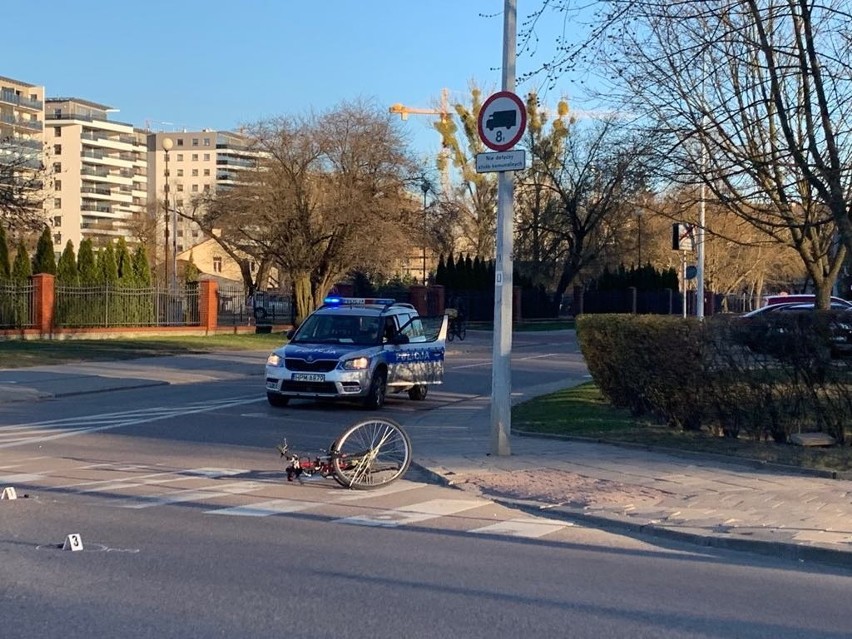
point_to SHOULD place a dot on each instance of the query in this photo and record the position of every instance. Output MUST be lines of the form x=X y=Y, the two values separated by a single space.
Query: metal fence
x=231 y=305
x=17 y=308
x=105 y=306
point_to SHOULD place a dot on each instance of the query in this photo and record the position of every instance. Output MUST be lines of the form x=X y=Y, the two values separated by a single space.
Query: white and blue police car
x=359 y=349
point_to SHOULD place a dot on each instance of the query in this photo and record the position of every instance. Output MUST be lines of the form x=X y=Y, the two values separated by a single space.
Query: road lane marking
x=529 y=528
x=47 y=430
x=266 y=508
x=414 y=513
x=166 y=499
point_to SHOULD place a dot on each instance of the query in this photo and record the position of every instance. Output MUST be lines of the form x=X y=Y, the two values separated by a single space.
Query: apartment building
x=199 y=163
x=98 y=169
x=21 y=123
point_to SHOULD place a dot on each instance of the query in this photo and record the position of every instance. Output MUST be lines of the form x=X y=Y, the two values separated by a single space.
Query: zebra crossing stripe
x=529 y=528
x=193 y=495
x=415 y=513
x=265 y=508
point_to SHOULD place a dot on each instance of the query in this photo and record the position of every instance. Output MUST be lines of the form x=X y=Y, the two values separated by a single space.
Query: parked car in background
x=768 y=329
x=801 y=298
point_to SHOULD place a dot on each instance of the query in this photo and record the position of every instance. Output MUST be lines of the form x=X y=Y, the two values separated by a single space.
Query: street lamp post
x=424 y=186
x=167 y=146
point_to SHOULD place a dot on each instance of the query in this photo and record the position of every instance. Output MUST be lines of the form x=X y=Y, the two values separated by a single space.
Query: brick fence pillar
x=208 y=302
x=43 y=297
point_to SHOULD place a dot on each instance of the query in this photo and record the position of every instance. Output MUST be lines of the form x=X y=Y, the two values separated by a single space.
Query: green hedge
x=763 y=378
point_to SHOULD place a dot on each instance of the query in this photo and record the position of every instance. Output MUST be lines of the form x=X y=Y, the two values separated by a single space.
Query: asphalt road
x=190 y=530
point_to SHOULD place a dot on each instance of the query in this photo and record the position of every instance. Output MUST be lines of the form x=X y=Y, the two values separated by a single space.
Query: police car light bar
x=357 y=301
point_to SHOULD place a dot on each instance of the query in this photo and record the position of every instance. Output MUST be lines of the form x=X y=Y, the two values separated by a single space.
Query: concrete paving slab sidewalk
x=702 y=500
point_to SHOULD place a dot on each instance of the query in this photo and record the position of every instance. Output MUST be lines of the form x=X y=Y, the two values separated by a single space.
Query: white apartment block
x=199 y=163
x=98 y=169
x=21 y=122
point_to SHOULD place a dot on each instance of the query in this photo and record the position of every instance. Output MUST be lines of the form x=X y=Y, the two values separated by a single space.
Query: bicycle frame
x=369 y=453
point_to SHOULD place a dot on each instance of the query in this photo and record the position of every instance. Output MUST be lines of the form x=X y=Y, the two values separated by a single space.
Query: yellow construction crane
x=444 y=113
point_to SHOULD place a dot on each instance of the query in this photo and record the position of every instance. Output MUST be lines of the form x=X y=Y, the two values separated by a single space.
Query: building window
x=194 y=141
x=217 y=264
x=180 y=157
x=206 y=188
x=206 y=141
x=57 y=167
x=180 y=172
x=180 y=247
x=194 y=172
x=180 y=187
x=57 y=131
x=57 y=220
x=57 y=203
x=195 y=188
x=180 y=233
x=206 y=172
x=180 y=141
x=57 y=185
x=195 y=234
x=57 y=238
x=206 y=157
x=57 y=149
x=195 y=157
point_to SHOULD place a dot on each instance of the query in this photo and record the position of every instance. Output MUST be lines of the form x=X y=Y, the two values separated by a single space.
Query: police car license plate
x=308 y=377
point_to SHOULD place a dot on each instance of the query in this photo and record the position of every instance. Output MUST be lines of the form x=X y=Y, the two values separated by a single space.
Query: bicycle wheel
x=451 y=330
x=371 y=453
x=462 y=331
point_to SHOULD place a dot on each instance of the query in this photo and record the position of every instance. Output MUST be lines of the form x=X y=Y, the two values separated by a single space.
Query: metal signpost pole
x=501 y=382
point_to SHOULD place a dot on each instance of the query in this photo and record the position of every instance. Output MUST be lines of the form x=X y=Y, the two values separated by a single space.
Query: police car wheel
x=275 y=399
x=418 y=393
x=375 y=398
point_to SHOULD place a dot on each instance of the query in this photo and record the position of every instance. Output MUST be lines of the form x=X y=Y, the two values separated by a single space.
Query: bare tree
x=329 y=195
x=22 y=187
x=583 y=183
x=751 y=97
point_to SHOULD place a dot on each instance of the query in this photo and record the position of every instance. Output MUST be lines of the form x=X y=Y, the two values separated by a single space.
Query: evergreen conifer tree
x=191 y=272
x=124 y=264
x=141 y=268
x=5 y=267
x=44 y=260
x=66 y=270
x=107 y=268
x=21 y=268
x=86 y=267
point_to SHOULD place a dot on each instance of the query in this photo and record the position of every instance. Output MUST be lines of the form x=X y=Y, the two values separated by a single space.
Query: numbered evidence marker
x=73 y=542
x=9 y=493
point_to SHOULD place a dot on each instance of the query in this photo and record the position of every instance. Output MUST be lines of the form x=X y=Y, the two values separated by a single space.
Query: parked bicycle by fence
x=458 y=324
x=370 y=453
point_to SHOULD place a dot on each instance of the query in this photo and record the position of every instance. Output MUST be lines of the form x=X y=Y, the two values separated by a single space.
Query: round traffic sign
x=502 y=120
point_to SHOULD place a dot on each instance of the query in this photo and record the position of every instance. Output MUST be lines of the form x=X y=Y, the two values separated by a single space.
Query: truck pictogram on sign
x=505 y=119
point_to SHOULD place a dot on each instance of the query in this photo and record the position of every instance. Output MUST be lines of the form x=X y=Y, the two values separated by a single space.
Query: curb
x=794 y=552
x=38 y=395
x=756 y=464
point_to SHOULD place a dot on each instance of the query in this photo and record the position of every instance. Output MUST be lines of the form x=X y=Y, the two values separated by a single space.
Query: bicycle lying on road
x=370 y=453
x=458 y=325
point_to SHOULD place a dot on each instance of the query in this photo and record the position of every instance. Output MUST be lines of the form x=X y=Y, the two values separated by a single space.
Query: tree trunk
x=303 y=300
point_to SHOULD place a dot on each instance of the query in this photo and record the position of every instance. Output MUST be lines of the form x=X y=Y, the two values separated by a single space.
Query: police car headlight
x=274 y=360
x=357 y=364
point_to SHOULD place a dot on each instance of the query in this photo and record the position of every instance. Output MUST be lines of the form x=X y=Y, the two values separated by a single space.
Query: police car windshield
x=339 y=329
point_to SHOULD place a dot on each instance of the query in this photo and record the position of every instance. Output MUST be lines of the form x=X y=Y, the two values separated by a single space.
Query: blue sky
x=210 y=64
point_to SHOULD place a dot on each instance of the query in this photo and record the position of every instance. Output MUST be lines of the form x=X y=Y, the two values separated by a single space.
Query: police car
x=359 y=349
